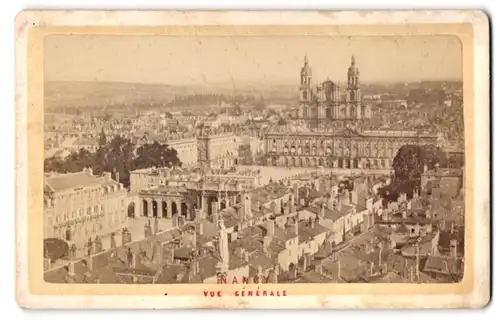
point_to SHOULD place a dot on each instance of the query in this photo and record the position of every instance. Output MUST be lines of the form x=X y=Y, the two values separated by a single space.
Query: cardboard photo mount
x=32 y=27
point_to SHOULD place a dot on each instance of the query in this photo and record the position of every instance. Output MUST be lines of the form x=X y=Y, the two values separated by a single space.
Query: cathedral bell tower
x=353 y=90
x=305 y=81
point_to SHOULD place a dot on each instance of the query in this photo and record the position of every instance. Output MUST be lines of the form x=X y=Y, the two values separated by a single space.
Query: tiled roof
x=258 y=258
x=313 y=277
x=76 y=180
x=311 y=231
x=270 y=192
x=443 y=265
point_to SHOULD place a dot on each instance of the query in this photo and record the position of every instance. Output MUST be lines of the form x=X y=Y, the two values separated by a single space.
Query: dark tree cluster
x=408 y=165
x=245 y=154
x=117 y=155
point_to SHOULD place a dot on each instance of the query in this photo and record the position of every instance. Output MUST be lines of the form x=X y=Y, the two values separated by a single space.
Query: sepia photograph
x=319 y=159
x=254 y=161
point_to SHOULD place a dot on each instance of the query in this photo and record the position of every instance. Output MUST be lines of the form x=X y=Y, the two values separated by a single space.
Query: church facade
x=330 y=138
x=323 y=103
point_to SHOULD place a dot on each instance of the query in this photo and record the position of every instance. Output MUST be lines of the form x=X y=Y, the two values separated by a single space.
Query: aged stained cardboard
x=435 y=60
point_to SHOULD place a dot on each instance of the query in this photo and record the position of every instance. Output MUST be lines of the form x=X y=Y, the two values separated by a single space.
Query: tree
x=281 y=122
x=55 y=249
x=245 y=154
x=409 y=165
x=117 y=156
x=156 y=155
x=54 y=164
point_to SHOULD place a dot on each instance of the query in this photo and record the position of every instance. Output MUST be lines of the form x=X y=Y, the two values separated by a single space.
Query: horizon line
x=254 y=82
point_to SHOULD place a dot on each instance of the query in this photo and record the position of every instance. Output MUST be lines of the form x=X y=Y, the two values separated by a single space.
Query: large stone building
x=166 y=193
x=347 y=148
x=331 y=139
x=223 y=149
x=81 y=206
x=324 y=103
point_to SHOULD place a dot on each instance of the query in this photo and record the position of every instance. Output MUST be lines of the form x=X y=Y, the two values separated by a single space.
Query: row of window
x=66 y=216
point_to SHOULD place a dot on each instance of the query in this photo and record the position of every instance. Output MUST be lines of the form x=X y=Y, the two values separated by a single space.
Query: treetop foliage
x=119 y=155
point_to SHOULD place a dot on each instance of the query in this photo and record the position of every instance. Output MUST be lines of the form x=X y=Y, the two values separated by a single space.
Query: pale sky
x=180 y=60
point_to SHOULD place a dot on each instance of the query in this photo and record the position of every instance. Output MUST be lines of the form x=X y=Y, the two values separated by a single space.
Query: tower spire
x=353 y=60
x=306 y=61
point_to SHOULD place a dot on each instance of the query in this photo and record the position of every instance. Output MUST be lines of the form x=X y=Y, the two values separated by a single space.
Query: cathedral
x=324 y=103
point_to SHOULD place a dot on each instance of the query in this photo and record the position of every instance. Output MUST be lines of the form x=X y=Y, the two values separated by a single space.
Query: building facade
x=347 y=148
x=81 y=206
x=165 y=193
x=323 y=103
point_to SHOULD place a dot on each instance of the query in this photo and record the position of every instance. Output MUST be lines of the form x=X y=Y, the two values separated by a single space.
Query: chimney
x=277 y=208
x=193 y=239
x=171 y=254
x=452 y=229
x=241 y=212
x=267 y=244
x=319 y=267
x=117 y=176
x=270 y=227
x=354 y=197
x=453 y=248
x=428 y=214
x=198 y=214
x=385 y=215
x=330 y=203
x=194 y=266
x=71 y=268
x=89 y=262
x=134 y=260
x=287 y=207
x=159 y=253
x=181 y=220
x=339 y=270
x=215 y=208
x=215 y=219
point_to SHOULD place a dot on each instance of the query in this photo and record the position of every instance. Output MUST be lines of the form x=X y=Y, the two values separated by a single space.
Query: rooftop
x=69 y=181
